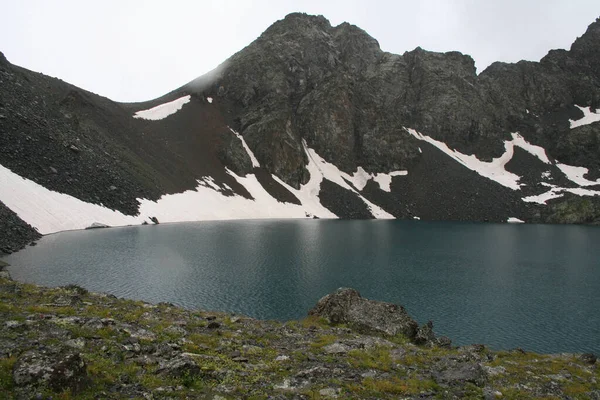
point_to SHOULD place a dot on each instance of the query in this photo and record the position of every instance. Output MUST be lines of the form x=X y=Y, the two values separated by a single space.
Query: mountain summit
x=310 y=120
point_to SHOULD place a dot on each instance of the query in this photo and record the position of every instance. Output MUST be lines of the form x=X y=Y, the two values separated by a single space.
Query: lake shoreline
x=93 y=343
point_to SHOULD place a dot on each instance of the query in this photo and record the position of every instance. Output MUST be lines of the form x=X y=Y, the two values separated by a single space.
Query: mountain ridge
x=305 y=91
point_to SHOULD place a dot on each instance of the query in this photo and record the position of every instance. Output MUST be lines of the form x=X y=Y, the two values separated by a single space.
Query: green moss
x=322 y=341
x=392 y=386
x=378 y=358
x=6 y=367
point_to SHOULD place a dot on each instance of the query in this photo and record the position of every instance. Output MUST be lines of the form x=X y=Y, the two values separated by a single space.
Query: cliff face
x=334 y=87
x=304 y=86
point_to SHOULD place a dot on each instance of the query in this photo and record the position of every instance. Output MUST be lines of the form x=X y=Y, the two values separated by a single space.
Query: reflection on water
x=532 y=286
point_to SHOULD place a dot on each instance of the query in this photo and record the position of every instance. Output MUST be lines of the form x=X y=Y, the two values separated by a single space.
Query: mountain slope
x=311 y=120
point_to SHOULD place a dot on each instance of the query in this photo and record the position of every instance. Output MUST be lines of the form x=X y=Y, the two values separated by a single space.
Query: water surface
x=529 y=286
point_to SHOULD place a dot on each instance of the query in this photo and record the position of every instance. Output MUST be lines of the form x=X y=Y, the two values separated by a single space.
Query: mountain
x=309 y=120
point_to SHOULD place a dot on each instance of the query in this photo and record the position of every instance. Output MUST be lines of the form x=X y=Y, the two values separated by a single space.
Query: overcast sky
x=139 y=50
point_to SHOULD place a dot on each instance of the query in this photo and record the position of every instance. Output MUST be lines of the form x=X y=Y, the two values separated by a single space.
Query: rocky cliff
x=315 y=120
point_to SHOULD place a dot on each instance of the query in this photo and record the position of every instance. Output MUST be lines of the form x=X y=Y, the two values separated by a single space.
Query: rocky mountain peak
x=3 y=60
x=590 y=40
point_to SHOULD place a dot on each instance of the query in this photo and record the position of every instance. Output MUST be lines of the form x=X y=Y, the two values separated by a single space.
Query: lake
x=529 y=286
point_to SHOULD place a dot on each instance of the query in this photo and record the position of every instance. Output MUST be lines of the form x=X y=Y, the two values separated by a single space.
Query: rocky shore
x=68 y=343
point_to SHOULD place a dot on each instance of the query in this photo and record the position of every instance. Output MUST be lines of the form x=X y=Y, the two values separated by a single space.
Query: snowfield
x=163 y=110
x=589 y=117
x=50 y=211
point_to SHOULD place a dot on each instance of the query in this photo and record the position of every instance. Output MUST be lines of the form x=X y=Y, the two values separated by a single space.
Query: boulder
x=179 y=366
x=451 y=373
x=347 y=306
x=58 y=368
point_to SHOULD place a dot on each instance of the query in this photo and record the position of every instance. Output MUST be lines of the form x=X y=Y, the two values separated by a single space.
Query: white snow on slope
x=163 y=110
x=255 y=163
x=556 y=192
x=332 y=173
x=513 y=220
x=209 y=99
x=589 y=116
x=537 y=151
x=385 y=180
x=493 y=170
x=361 y=177
x=204 y=203
x=575 y=174
x=49 y=211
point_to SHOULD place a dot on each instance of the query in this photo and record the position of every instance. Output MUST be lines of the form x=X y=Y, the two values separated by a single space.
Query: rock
x=175 y=330
x=329 y=393
x=213 y=325
x=494 y=371
x=282 y=358
x=61 y=369
x=155 y=220
x=346 y=306
x=425 y=334
x=13 y=324
x=178 y=367
x=454 y=373
x=97 y=225
x=78 y=343
x=336 y=348
x=588 y=358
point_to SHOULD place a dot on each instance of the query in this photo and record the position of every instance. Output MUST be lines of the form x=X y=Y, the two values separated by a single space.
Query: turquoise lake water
x=531 y=286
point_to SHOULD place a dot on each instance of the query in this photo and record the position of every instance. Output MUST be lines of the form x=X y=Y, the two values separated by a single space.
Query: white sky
x=138 y=50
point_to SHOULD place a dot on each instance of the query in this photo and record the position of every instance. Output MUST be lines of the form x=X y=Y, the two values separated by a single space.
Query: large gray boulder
x=347 y=306
x=57 y=368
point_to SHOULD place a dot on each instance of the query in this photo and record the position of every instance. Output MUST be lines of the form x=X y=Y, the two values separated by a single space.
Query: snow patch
x=537 y=151
x=575 y=174
x=513 y=220
x=332 y=173
x=255 y=163
x=493 y=170
x=385 y=180
x=163 y=110
x=361 y=177
x=556 y=192
x=546 y=175
x=589 y=117
x=209 y=99
x=49 y=211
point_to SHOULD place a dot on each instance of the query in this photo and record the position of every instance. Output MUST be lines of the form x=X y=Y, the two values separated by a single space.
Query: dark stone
x=588 y=358
x=452 y=373
x=425 y=334
x=213 y=325
x=178 y=367
x=346 y=306
x=60 y=369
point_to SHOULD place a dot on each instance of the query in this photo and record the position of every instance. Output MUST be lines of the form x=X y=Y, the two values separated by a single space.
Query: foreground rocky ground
x=67 y=343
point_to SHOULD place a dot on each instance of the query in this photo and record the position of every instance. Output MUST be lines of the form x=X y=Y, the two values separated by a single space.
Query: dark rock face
x=346 y=306
x=334 y=87
x=14 y=233
x=574 y=210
